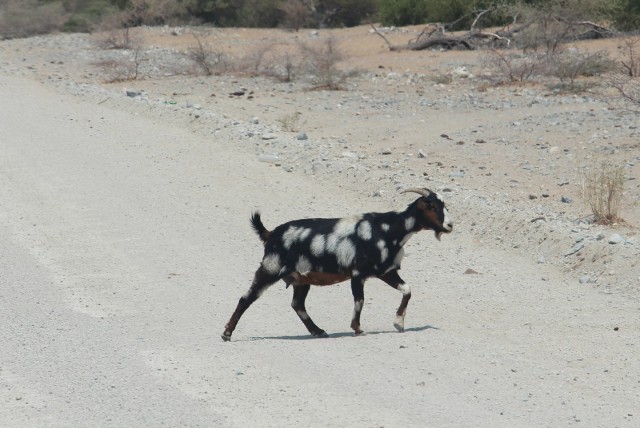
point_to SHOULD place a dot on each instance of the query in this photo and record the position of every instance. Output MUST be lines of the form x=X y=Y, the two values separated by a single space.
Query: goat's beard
x=438 y=234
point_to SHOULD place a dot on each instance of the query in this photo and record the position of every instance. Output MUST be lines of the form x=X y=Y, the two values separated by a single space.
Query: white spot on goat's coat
x=271 y=263
x=303 y=265
x=409 y=223
x=345 y=252
x=338 y=241
x=317 y=245
x=404 y=289
x=346 y=226
x=294 y=234
x=364 y=230
x=384 y=227
x=384 y=251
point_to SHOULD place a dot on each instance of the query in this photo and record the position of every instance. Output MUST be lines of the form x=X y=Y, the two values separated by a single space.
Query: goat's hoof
x=226 y=337
x=399 y=327
x=359 y=332
x=320 y=334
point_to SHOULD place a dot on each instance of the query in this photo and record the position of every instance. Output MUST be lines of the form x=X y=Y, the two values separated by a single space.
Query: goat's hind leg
x=393 y=279
x=261 y=281
x=297 y=303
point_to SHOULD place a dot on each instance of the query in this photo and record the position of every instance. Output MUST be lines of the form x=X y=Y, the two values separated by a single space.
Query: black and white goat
x=328 y=251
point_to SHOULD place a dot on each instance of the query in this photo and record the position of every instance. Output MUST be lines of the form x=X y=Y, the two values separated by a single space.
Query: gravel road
x=125 y=244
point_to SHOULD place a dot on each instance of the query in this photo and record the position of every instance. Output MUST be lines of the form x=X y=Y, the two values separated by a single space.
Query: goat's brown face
x=435 y=214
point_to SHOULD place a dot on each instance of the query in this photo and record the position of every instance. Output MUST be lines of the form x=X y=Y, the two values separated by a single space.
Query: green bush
x=626 y=15
x=402 y=12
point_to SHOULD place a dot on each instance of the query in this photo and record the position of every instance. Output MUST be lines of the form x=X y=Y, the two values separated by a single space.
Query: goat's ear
x=423 y=204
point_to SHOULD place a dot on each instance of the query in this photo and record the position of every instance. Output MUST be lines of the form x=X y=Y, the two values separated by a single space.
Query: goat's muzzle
x=446 y=228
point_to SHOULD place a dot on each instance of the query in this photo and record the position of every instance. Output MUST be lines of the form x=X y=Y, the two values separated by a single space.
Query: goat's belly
x=317 y=278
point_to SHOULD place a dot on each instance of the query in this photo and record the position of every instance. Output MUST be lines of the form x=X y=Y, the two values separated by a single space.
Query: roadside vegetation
x=522 y=41
x=21 y=18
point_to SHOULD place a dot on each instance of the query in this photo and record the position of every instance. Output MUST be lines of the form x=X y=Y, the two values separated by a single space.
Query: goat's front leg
x=357 y=288
x=393 y=279
x=299 y=296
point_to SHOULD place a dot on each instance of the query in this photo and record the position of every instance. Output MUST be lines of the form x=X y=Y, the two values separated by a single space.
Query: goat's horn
x=423 y=192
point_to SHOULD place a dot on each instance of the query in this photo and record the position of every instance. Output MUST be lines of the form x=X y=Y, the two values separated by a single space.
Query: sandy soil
x=125 y=241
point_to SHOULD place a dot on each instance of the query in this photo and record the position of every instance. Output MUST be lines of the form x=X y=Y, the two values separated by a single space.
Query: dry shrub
x=281 y=62
x=290 y=122
x=285 y=66
x=570 y=64
x=547 y=25
x=117 y=38
x=122 y=69
x=295 y=14
x=627 y=90
x=321 y=63
x=626 y=82
x=631 y=51
x=256 y=61
x=513 y=67
x=602 y=188
x=207 y=59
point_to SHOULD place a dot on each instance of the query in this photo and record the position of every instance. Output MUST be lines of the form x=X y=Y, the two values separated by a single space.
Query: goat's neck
x=405 y=224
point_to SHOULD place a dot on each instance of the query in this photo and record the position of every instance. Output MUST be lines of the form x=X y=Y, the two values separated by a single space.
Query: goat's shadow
x=343 y=334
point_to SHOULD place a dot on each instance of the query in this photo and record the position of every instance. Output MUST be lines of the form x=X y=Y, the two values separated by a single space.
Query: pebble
x=616 y=239
x=302 y=136
x=269 y=158
x=541 y=260
x=585 y=279
x=133 y=93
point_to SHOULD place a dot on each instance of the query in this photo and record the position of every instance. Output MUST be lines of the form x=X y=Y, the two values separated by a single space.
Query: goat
x=322 y=251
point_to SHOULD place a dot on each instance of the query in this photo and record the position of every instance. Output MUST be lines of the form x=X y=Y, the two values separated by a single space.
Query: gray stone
x=616 y=239
x=133 y=93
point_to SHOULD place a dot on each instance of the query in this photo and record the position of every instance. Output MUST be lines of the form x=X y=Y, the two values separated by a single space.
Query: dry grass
x=602 y=190
x=290 y=122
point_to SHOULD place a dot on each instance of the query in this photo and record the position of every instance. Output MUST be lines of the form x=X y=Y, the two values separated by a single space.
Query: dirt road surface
x=125 y=244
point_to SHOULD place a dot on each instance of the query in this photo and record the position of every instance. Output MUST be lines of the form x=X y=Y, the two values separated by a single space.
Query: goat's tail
x=257 y=225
